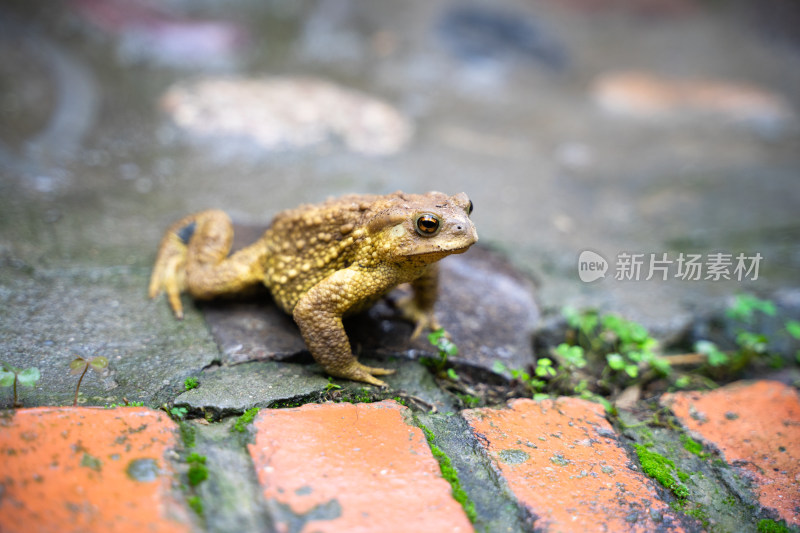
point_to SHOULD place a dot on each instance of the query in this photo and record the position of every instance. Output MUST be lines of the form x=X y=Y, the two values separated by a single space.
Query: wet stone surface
x=49 y=316
x=495 y=505
x=486 y=306
x=232 y=390
x=230 y=495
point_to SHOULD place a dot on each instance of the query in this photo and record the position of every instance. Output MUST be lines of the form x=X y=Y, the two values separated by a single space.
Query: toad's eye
x=469 y=208
x=427 y=225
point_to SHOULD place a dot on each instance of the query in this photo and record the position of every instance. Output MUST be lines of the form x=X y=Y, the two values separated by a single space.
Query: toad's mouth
x=440 y=253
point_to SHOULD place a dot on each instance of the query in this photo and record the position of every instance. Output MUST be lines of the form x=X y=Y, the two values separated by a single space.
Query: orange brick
x=561 y=464
x=756 y=426
x=85 y=470
x=362 y=462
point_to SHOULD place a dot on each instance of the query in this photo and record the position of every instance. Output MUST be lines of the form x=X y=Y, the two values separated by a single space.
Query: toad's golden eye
x=427 y=225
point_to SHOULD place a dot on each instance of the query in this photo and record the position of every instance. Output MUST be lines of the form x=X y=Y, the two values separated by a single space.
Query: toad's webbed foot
x=358 y=372
x=423 y=319
x=169 y=271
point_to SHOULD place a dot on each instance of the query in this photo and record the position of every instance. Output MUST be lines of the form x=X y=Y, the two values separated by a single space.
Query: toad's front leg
x=418 y=307
x=319 y=315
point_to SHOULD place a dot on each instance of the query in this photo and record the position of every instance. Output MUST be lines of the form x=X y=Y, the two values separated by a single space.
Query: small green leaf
x=704 y=347
x=6 y=378
x=179 y=412
x=636 y=356
x=452 y=374
x=660 y=365
x=29 y=376
x=539 y=396
x=76 y=366
x=682 y=382
x=448 y=347
x=632 y=370
x=745 y=305
x=589 y=322
x=713 y=354
x=793 y=327
x=498 y=367
x=572 y=316
x=434 y=336
x=615 y=361
x=752 y=341
x=99 y=363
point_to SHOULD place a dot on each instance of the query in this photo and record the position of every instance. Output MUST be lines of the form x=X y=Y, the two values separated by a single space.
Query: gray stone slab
x=495 y=506
x=47 y=317
x=231 y=495
x=231 y=390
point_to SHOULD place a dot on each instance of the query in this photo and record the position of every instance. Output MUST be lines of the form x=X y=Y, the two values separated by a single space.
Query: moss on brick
x=661 y=469
x=247 y=417
x=692 y=446
x=771 y=526
x=450 y=474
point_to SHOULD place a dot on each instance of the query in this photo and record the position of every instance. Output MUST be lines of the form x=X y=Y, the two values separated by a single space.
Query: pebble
x=279 y=113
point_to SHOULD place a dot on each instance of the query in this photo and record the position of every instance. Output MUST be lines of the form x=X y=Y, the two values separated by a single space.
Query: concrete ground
x=657 y=127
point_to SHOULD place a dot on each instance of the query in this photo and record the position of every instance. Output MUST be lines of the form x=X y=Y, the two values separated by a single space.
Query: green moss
x=450 y=474
x=661 y=469
x=188 y=434
x=692 y=446
x=195 y=457
x=284 y=405
x=196 y=504
x=243 y=421
x=190 y=383
x=126 y=404
x=362 y=396
x=198 y=472
x=701 y=514
x=771 y=526
x=92 y=462
x=468 y=400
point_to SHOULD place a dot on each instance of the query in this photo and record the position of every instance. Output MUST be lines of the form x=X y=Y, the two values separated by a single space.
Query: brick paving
x=364 y=463
x=368 y=467
x=564 y=464
x=756 y=426
x=70 y=469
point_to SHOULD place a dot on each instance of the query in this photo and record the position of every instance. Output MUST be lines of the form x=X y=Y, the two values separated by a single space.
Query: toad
x=322 y=262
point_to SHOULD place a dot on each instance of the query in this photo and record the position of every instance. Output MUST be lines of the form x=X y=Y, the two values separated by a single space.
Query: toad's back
x=305 y=245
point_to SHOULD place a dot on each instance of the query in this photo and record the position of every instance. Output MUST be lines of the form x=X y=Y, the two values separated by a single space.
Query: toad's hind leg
x=193 y=257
